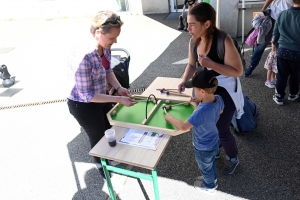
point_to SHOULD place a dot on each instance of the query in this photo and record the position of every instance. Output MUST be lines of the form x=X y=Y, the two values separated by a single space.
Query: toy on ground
x=7 y=79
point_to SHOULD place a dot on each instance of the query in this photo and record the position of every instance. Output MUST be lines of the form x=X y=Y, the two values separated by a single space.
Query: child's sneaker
x=200 y=187
x=270 y=84
x=277 y=100
x=293 y=97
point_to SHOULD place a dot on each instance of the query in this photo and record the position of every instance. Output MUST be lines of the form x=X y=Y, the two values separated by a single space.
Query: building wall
x=28 y=9
x=230 y=11
x=155 y=6
x=228 y=15
x=250 y=8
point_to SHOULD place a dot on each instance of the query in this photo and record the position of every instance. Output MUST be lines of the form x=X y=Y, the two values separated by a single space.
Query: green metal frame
x=107 y=168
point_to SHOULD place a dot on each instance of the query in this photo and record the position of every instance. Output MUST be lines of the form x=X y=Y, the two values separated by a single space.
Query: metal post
x=218 y=14
x=243 y=20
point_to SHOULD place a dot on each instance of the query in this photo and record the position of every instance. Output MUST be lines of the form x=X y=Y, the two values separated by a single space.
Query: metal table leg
x=107 y=168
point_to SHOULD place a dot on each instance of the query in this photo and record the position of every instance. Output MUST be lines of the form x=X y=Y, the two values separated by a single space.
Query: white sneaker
x=198 y=184
x=269 y=84
x=293 y=97
x=200 y=178
x=200 y=187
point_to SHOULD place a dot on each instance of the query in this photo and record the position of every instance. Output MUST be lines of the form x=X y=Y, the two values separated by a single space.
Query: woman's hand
x=127 y=101
x=181 y=87
x=123 y=92
x=204 y=60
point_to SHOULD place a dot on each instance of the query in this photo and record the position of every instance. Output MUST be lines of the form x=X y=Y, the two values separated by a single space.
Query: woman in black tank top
x=202 y=27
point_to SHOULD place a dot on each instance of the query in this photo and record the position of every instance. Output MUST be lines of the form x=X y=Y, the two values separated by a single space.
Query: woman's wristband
x=118 y=87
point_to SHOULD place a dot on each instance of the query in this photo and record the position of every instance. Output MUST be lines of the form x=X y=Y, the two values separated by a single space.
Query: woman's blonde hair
x=104 y=21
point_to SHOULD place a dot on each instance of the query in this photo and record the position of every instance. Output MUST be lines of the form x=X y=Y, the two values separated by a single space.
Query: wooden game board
x=135 y=116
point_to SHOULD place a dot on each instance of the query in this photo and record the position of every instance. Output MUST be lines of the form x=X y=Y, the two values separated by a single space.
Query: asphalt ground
x=44 y=153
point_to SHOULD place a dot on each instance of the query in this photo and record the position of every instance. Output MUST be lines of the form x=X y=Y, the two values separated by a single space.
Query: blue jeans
x=207 y=164
x=260 y=48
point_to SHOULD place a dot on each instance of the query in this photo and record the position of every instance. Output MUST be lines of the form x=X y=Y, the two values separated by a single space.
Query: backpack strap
x=221 y=45
x=221 y=49
x=193 y=48
x=194 y=52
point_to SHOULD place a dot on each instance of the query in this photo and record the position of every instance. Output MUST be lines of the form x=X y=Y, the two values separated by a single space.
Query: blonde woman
x=89 y=72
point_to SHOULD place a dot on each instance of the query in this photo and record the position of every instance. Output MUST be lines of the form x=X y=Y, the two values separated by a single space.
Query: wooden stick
x=144 y=100
x=140 y=100
x=165 y=110
x=180 y=104
x=179 y=94
x=174 y=92
x=167 y=89
x=139 y=97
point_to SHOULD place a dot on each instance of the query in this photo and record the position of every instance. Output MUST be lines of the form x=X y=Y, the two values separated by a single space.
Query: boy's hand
x=168 y=117
x=195 y=100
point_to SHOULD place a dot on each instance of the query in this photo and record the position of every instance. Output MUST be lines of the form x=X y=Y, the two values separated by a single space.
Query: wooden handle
x=179 y=94
x=180 y=103
x=167 y=89
x=165 y=110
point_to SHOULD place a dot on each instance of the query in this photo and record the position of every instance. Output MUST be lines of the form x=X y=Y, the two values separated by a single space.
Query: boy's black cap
x=202 y=79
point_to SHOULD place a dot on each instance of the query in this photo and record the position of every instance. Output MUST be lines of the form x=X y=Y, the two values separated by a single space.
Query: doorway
x=121 y=5
x=176 y=5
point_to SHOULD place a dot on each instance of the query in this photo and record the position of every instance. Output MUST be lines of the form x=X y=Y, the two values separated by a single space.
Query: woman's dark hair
x=203 y=12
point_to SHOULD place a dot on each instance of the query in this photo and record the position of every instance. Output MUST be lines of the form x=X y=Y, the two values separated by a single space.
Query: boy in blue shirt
x=205 y=132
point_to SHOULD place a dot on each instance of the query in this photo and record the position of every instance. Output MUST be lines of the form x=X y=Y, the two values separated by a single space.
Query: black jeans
x=227 y=140
x=287 y=68
x=92 y=118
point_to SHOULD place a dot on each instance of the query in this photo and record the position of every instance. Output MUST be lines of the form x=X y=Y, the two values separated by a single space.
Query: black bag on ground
x=121 y=72
x=247 y=121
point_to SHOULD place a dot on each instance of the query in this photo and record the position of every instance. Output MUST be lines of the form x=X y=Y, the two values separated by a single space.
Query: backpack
x=252 y=37
x=221 y=47
x=247 y=121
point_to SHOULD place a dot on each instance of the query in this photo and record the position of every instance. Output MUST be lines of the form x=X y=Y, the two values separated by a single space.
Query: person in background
x=276 y=6
x=205 y=133
x=203 y=53
x=287 y=41
x=89 y=71
x=187 y=4
x=271 y=66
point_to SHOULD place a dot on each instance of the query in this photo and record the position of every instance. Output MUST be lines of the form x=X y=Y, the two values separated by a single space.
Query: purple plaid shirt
x=87 y=76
